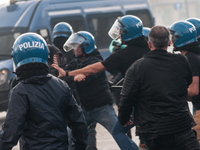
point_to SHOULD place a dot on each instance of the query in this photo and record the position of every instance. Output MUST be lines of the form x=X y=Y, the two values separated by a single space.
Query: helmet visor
x=74 y=41
x=115 y=30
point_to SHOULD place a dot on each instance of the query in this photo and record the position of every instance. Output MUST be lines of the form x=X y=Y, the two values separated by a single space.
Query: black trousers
x=185 y=140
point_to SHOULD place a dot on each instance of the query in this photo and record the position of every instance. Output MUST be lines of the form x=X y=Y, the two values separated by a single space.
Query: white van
x=40 y=16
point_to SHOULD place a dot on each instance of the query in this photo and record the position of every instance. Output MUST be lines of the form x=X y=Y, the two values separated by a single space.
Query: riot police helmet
x=62 y=29
x=29 y=48
x=82 y=39
x=127 y=28
x=196 y=23
x=183 y=33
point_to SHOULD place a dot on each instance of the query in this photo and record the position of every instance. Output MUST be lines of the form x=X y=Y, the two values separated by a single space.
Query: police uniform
x=121 y=60
x=194 y=60
x=39 y=110
x=94 y=92
x=185 y=36
x=61 y=32
x=40 y=105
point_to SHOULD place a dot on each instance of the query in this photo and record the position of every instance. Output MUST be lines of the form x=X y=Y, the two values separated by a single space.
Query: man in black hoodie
x=156 y=86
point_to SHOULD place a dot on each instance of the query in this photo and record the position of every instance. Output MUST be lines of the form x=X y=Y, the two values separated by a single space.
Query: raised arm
x=88 y=70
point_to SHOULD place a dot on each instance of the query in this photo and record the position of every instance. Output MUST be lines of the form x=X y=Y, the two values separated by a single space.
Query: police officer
x=61 y=32
x=184 y=36
x=40 y=105
x=196 y=23
x=129 y=29
x=94 y=93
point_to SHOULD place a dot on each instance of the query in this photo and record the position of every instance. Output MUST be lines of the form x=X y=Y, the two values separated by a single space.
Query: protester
x=40 y=105
x=156 y=86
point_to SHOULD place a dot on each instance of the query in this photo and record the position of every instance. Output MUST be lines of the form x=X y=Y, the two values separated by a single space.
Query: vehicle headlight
x=3 y=76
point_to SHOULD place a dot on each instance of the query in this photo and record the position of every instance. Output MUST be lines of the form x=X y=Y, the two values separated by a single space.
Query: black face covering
x=32 y=69
x=59 y=42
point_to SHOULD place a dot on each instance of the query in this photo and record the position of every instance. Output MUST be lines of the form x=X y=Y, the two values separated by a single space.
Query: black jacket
x=39 y=110
x=94 y=91
x=194 y=60
x=156 y=85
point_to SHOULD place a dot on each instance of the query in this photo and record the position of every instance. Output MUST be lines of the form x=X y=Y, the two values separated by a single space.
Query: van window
x=99 y=25
x=144 y=15
x=7 y=38
x=6 y=43
x=77 y=22
x=45 y=34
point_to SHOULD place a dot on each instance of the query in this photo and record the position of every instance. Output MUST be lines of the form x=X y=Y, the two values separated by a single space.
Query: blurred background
x=167 y=12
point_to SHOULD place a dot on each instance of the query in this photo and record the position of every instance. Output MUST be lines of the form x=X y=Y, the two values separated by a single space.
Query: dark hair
x=159 y=36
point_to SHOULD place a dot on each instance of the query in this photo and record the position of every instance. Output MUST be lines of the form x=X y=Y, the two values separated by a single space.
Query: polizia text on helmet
x=33 y=44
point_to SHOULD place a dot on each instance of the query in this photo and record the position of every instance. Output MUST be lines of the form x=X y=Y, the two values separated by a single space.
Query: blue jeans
x=119 y=134
x=107 y=117
x=92 y=137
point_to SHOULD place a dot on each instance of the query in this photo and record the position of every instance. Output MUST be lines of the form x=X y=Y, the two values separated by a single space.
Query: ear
x=150 y=44
x=170 y=42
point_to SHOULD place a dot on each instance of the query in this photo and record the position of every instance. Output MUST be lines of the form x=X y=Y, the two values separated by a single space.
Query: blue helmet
x=146 y=31
x=183 y=33
x=127 y=27
x=83 y=39
x=62 y=29
x=29 y=48
x=196 y=23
